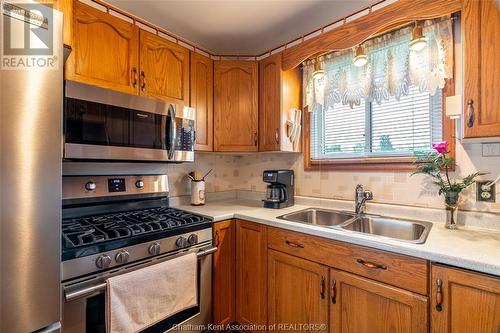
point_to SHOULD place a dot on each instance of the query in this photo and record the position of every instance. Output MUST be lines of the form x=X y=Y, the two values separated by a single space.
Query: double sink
x=403 y=230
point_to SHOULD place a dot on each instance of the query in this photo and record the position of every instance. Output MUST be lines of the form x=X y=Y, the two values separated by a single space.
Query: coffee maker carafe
x=280 y=190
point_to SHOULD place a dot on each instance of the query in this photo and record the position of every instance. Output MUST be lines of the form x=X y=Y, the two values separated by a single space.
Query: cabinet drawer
x=399 y=270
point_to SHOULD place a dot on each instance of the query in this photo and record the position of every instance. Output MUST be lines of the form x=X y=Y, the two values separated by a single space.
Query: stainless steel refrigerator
x=30 y=171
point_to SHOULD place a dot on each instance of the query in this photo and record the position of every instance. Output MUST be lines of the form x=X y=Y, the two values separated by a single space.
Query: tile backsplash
x=244 y=172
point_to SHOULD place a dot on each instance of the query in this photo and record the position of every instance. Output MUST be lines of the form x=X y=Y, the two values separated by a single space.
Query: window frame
x=396 y=163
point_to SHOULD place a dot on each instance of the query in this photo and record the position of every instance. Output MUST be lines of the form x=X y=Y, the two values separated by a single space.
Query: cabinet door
x=202 y=89
x=464 y=302
x=360 y=305
x=298 y=293
x=270 y=103
x=105 y=50
x=224 y=273
x=251 y=273
x=481 y=25
x=164 y=70
x=235 y=106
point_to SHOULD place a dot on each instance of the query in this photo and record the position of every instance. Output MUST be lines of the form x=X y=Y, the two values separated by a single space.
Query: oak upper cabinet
x=297 y=292
x=464 y=302
x=164 y=69
x=202 y=88
x=105 y=50
x=251 y=273
x=481 y=26
x=224 y=273
x=360 y=305
x=279 y=95
x=235 y=106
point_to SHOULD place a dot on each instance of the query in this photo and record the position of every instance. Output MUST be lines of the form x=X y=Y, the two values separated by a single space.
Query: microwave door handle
x=172 y=134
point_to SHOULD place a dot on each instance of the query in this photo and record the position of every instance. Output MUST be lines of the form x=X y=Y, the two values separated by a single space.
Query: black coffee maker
x=280 y=190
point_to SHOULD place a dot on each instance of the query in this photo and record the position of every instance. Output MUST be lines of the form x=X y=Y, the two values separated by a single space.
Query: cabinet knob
x=334 y=291
x=370 y=264
x=134 y=77
x=470 y=113
x=143 y=81
x=323 y=287
x=439 y=295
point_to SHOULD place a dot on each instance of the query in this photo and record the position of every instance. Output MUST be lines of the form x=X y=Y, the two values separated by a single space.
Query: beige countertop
x=469 y=247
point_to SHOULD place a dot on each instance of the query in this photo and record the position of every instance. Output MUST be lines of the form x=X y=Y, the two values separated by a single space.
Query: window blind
x=393 y=128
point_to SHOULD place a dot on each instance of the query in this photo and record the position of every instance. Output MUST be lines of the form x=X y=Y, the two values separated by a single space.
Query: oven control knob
x=122 y=257
x=154 y=249
x=103 y=261
x=193 y=239
x=181 y=242
x=139 y=184
x=90 y=186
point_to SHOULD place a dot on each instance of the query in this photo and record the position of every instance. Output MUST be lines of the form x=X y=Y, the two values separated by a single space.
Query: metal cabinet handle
x=277 y=135
x=143 y=81
x=470 y=113
x=322 y=284
x=439 y=295
x=255 y=138
x=371 y=264
x=292 y=244
x=134 y=77
x=334 y=291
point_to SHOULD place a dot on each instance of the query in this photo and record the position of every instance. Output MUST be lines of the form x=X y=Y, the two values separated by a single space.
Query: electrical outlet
x=484 y=192
x=491 y=149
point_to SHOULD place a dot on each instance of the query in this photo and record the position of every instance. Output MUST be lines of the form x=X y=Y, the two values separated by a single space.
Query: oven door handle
x=79 y=293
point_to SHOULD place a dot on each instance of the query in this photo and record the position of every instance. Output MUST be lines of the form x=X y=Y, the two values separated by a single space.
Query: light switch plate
x=485 y=193
x=491 y=149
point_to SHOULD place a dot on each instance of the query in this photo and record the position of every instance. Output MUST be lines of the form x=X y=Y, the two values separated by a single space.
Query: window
x=384 y=111
x=392 y=128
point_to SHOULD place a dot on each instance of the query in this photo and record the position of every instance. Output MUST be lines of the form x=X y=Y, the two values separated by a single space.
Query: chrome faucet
x=361 y=197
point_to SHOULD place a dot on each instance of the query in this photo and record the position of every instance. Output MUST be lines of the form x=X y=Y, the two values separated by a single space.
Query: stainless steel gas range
x=115 y=224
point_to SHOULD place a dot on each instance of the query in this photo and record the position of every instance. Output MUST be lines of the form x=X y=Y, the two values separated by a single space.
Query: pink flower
x=441 y=147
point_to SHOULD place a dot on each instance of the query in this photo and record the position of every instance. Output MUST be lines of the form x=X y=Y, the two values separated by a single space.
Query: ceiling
x=239 y=27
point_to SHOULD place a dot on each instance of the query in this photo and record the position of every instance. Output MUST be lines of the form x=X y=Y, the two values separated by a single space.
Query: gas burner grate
x=96 y=229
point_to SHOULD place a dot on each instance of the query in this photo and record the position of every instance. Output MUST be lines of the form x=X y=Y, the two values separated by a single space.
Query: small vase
x=451 y=217
x=451 y=200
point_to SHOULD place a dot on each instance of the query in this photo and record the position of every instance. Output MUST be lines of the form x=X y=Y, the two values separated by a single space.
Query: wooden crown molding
x=357 y=31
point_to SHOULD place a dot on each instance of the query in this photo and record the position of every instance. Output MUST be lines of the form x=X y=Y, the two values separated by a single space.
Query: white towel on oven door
x=141 y=298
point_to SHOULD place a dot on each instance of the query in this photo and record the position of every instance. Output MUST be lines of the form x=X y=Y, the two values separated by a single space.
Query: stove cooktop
x=88 y=235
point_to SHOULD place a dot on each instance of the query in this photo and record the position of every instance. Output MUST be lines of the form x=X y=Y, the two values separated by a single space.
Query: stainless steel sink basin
x=404 y=230
x=318 y=216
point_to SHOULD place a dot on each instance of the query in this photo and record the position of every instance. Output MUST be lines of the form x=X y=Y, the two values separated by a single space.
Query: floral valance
x=392 y=67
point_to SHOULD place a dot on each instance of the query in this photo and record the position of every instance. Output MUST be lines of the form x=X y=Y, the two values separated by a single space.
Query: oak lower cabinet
x=297 y=294
x=164 y=69
x=223 y=291
x=251 y=274
x=481 y=28
x=235 y=106
x=202 y=86
x=361 y=305
x=279 y=95
x=463 y=301
x=105 y=50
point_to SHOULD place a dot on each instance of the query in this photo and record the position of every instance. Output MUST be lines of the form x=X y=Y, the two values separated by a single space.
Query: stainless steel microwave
x=101 y=124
